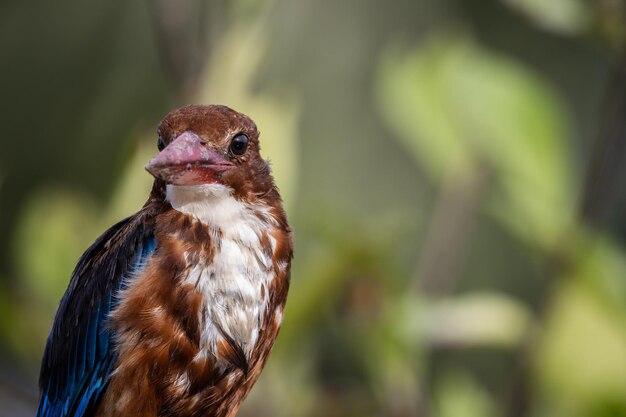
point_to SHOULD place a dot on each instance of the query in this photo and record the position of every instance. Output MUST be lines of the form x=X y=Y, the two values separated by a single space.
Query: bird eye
x=239 y=144
x=160 y=143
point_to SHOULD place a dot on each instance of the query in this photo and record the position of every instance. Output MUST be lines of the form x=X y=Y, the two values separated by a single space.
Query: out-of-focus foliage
x=458 y=395
x=462 y=111
x=433 y=157
x=457 y=106
x=563 y=16
x=585 y=334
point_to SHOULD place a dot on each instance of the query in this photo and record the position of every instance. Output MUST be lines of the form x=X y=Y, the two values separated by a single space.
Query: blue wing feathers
x=79 y=355
x=90 y=340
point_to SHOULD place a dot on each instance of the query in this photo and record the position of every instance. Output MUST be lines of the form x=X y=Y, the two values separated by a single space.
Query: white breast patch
x=240 y=272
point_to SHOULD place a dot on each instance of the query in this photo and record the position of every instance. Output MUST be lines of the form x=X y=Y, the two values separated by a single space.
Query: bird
x=173 y=311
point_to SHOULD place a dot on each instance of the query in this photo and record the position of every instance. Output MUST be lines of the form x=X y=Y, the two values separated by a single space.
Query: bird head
x=212 y=144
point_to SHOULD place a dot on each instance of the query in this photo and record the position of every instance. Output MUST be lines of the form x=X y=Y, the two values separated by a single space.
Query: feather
x=79 y=355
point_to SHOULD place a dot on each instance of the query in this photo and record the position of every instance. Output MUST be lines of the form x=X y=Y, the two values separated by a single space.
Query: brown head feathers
x=217 y=126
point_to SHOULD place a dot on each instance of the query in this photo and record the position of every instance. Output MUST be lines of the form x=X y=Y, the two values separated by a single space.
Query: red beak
x=187 y=161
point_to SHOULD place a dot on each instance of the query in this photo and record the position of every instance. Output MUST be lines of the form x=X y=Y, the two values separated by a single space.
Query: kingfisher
x=173 y=311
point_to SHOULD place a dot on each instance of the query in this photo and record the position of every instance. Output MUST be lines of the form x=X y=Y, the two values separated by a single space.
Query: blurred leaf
x=320 y=275
x=55 y=229
x=474 y=319
x=562 y=16
x=412 y=89
x=581 y=361
x=601 y=264
x=394 y=355
x=459 y=395
x=454 y=104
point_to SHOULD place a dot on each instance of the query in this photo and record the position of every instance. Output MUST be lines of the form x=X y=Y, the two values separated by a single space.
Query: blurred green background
x=454 y=172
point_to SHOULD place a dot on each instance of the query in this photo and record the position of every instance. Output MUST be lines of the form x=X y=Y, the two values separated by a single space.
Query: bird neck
x=212 y=204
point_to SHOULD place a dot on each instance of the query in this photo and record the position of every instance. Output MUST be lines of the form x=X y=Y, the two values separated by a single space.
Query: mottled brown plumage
x=165 y=310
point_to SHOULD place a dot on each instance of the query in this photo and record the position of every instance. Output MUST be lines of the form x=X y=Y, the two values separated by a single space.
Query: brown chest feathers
x=194 y=327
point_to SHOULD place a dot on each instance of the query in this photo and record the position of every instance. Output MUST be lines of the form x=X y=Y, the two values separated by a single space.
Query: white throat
x=212 y=204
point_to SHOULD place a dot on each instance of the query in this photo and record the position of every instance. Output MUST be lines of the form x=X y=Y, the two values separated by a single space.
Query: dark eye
x=160 y=143
x=239 y=144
